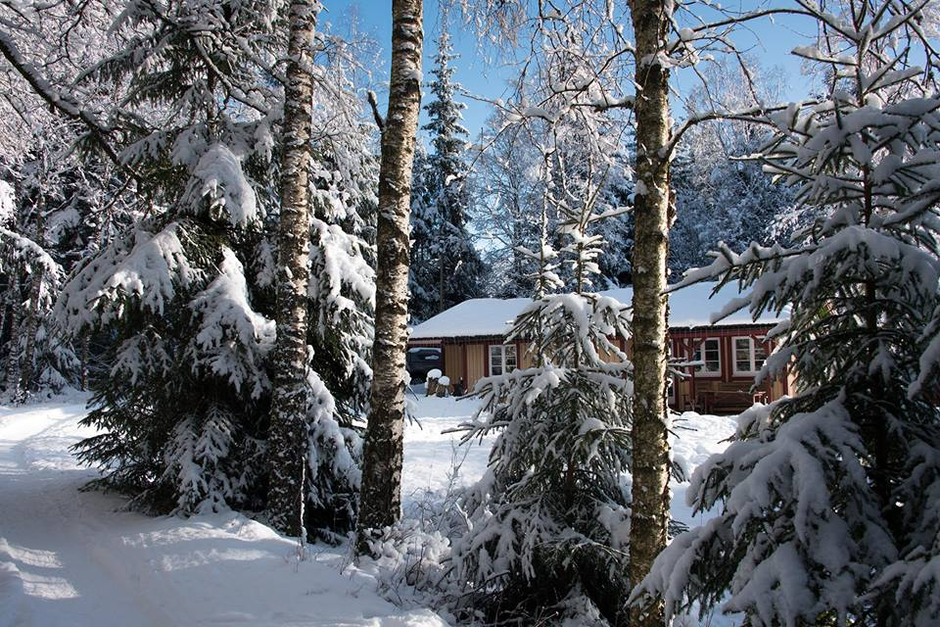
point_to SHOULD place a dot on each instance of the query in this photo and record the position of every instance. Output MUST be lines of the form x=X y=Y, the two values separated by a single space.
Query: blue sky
x=768 y=41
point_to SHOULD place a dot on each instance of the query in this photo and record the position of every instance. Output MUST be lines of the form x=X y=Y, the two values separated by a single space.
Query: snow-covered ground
x=69 y=558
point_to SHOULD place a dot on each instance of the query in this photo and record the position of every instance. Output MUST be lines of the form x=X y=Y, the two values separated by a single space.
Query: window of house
x=749 y=355
x=709 y=351
x=502 y=359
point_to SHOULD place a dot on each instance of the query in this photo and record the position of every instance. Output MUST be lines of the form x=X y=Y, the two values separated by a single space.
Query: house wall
x=726 y=391
x=476 y=360
x=454 y=362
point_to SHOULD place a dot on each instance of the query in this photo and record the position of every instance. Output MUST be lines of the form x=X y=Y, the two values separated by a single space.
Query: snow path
x=68 y=558
x=431 y=454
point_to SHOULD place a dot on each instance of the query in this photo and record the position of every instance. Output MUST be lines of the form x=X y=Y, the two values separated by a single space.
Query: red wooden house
x=717 y=362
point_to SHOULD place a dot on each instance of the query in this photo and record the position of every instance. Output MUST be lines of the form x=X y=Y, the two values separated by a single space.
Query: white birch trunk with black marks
x=17 y=318
x=650 y=495
x=31 y=319
x=288 y=431
x=382 y=457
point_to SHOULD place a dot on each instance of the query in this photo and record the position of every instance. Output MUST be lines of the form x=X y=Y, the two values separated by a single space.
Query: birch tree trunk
x=13 y=357
x=288 y=430
x=382 y=458
x=650 y=499
x=31 y=319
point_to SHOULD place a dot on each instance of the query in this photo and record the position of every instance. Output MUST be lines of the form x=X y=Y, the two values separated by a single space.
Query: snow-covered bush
x=550 y=517
x=827 y=501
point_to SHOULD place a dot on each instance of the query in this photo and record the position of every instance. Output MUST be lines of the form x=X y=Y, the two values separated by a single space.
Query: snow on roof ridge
x=688 y=307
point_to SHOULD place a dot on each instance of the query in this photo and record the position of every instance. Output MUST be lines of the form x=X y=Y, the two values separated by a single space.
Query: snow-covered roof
x=688 y=307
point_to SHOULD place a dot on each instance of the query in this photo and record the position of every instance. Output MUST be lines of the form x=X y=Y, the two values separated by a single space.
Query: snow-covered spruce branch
x=100 y=131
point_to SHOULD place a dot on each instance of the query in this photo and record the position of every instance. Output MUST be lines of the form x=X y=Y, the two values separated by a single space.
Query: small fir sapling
x=547 y=524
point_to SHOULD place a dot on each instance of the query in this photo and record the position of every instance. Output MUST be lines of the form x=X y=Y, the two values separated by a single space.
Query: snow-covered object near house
x=829 y=499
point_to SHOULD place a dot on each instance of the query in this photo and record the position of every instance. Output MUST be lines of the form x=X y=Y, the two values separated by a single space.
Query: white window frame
x=500 y=351
x=698 y=355
x=752 y=354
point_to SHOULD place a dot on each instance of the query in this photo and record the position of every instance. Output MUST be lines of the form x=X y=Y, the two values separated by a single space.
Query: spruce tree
x=827 y=500
x=422 y=275
x=187 y=295
x=455 y=272
x=38 y=250
x=547 y=524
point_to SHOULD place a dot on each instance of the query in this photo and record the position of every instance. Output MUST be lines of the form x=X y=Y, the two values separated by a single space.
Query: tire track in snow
x=73 y=578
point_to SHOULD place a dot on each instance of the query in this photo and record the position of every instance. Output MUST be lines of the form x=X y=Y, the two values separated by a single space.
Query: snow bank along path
x=67 y=558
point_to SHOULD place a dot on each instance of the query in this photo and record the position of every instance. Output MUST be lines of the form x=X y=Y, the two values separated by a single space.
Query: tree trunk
x=288 y=430
x=381 y=474
x=13 y=357
x=650 y=500
x=31 y=320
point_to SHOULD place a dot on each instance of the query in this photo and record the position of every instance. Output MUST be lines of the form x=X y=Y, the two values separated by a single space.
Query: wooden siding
x=453 y=362
x=476 y=362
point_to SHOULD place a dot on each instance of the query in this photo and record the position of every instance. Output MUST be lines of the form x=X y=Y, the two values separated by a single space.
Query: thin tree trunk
x=84 y=366
x=381 y=474
x=650 y=501
x=31 y=321
x=288 y=431
x=440 y=283
x=13 y=357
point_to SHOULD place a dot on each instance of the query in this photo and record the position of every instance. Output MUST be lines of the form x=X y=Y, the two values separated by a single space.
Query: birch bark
x=382 y=458
x=650 y=498
x=288 y=430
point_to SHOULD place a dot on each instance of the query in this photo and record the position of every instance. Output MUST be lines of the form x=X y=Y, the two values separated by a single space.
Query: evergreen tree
x=548 y=522
x=422 y=277
x=827 y=501
x=38 y=360
x=48 y=227
x=186 y=296
x=455 y=272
